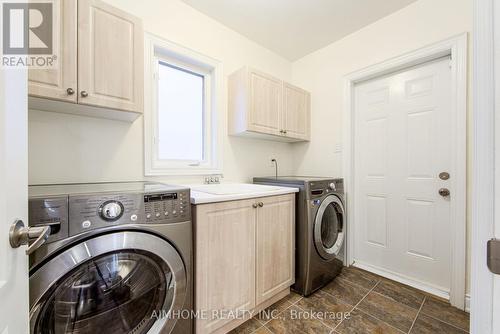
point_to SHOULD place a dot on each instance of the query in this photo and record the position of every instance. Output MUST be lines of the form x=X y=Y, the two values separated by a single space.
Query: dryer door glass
x=124 y=282
x=115 y=293
x=329 y=227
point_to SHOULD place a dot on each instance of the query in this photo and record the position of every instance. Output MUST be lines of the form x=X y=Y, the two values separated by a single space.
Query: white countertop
x=212 y=193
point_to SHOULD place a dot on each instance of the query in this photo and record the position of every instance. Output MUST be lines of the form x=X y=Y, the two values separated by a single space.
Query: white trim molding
x=483 y=162
x=436 y=291
x=456 y=47
x=158 y=49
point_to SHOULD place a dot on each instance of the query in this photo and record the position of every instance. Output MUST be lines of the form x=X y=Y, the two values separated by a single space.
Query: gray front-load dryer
x=320 y=229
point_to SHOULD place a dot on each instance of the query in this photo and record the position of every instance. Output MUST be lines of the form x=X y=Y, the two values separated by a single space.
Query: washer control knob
x=111 y=210
x=148 y=216
x=133 y=218
x=332 y=186
x=157 y=214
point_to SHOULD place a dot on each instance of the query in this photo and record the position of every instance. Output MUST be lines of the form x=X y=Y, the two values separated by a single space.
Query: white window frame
x=156 y=50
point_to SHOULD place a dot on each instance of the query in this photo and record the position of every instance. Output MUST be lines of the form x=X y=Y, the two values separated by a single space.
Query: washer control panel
x=166 y=206
x=98 y=211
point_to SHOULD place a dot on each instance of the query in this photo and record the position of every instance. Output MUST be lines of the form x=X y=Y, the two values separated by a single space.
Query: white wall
x=421 y=23
x=67 y=148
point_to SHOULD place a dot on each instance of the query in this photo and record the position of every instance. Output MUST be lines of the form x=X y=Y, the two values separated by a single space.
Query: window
x=182 y=132
x=180 y=114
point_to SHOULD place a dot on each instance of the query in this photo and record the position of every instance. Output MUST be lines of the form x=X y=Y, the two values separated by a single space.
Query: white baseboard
x=467 y=303
x=404 y=279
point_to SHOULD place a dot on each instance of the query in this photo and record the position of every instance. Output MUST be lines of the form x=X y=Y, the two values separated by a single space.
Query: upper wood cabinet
x=296 y=111
x=266 y=107
x=61 y=83
x=108 y=44
x=266 y=104
x=110 y=57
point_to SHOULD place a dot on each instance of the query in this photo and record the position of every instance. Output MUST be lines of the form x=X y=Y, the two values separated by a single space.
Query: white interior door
x=13 y=199
x=402 y=142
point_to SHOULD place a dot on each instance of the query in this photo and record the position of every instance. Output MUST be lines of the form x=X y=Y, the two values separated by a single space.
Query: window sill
x=183 y=172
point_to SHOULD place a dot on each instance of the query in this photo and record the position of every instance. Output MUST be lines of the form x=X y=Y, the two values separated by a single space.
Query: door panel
x=110 y=57
x=402 y=143
x=225 y=253
x=275 y=245
x=296 y=111
x=266 y=103
x=54 y=84
x=13 y=199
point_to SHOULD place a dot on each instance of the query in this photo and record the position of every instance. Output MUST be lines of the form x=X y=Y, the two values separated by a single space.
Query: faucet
x=275 y=166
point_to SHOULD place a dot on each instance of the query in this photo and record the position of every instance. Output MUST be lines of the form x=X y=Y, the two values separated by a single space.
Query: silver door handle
x=21 y=235
x=445 y=192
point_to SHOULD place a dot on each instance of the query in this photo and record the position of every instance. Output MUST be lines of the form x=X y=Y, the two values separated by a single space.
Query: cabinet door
x=265 y=103
x=297 y=105
x=225 y=260
x=60 y=83
x=110 y=57
x=275 y=245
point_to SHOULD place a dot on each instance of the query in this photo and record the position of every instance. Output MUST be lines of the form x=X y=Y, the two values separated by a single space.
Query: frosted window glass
x=180 y=114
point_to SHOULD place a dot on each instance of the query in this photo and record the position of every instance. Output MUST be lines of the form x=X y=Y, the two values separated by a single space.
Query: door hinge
x=493 y=256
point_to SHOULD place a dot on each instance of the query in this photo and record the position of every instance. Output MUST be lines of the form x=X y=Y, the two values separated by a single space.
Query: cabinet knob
x=284 y=131
x=84 y=93
x=261 y=204
x=254 y=205
x=70 y=91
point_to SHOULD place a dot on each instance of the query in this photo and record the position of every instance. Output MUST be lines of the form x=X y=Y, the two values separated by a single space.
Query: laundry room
x=217 y=166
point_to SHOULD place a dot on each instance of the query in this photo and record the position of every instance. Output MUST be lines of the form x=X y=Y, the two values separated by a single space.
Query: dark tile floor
x=359 y=302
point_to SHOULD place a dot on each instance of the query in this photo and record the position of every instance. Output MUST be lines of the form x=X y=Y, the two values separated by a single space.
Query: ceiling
x=295 y=28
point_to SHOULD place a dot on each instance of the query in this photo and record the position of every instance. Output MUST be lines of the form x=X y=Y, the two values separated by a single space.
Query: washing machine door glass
x=120 y=291
x=329 y=227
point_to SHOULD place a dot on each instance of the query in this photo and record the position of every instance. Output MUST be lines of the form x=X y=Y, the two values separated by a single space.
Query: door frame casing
x=484 y=286
x=456 y=47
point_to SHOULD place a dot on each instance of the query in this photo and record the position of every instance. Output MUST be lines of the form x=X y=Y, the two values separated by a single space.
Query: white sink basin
x=233 y=188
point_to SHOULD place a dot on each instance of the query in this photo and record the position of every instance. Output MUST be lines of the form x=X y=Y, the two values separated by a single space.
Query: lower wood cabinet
x=244 y=258
x=275 y=246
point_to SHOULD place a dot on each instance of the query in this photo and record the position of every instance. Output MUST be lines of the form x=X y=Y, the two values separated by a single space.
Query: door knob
x=444 y=175
x=445 y=192
x=21 y=235
x=84 y=93
x=70 y=91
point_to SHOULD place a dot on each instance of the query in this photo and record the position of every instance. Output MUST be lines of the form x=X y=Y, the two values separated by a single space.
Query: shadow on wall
x=69 y=148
